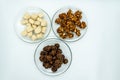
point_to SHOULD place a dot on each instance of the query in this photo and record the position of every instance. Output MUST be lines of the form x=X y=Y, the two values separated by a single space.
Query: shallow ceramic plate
x=65 y=49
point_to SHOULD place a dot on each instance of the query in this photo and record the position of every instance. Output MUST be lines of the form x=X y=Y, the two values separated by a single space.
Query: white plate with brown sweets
x=32 y=25
x=69 y=24
x=53 y=57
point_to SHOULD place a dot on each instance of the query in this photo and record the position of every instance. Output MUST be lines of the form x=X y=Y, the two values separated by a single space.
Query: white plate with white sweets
x=32 y=25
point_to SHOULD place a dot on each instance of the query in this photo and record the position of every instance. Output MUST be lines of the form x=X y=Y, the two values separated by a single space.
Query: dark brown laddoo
x=49 y=58
x=57 y=45
x=46 y=65
x=53 y=52
x=54 y=69
x=43 y=52
x=65 y=61
x=47 y=48
x=59 y=51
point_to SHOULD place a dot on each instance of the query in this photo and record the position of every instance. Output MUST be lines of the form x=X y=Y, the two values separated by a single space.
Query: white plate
x=65 y=10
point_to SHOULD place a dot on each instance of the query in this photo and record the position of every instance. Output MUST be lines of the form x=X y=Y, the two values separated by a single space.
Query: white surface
x=95 y=57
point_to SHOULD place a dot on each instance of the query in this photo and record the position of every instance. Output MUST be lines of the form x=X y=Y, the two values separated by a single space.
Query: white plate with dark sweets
x=53 y=57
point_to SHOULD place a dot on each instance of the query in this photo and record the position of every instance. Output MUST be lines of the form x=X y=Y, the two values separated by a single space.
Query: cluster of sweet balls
x=52 y=57
x=35 y=25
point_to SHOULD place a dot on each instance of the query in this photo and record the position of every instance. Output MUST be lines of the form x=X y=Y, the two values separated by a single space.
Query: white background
x=95 y=57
